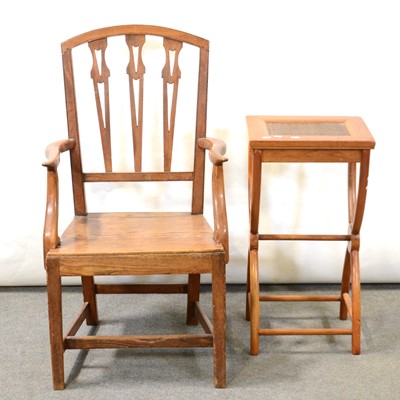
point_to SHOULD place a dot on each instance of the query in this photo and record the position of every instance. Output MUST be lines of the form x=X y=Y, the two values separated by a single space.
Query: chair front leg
x=55 y=326
x=219 y=323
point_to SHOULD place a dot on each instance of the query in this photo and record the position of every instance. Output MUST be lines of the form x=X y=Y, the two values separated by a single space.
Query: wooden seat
x=136 y=239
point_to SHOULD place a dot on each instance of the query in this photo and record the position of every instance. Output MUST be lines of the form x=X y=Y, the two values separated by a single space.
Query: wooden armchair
x=146 y=242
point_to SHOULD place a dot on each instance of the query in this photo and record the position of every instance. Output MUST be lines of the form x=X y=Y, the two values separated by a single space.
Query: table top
x=308 y=132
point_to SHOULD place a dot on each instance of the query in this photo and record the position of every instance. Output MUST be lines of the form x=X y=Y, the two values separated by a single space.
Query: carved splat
x=109 y=49
x=100 y=75
x=136 y=71
x=171 y=75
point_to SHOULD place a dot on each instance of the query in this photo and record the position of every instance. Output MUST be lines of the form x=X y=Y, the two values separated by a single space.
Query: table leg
x=356 y=303
x=351 y=270
x=253 y=290
x=254 y=298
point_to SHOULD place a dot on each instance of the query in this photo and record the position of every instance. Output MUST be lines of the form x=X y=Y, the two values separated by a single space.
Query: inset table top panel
x=308 y=132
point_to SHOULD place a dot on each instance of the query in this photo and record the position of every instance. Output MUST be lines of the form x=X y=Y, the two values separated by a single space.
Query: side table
x=309 y=139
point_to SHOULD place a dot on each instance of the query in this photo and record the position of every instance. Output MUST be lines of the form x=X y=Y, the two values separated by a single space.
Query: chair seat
x=137 y=233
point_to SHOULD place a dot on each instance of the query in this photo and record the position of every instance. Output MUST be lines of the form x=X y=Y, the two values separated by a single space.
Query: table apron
x=310 y=155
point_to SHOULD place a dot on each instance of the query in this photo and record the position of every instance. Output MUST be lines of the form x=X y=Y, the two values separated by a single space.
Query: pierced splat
x=171 y=75
x=136 y=70
x=100 y=74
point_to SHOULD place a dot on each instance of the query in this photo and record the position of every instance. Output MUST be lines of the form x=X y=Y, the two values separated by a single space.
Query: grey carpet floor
x=288 y=367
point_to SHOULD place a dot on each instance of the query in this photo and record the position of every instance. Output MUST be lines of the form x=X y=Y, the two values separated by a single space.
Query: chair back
x=136 y=101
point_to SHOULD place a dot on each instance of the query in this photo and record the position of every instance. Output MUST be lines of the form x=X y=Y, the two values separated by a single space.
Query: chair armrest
x=54 y=150
x=51 y=238
x=217 y=148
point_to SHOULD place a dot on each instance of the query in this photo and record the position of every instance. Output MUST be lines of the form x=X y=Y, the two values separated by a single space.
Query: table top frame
x=357 y=134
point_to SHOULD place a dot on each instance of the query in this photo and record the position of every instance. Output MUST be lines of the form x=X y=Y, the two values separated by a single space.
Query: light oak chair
x=146 y=242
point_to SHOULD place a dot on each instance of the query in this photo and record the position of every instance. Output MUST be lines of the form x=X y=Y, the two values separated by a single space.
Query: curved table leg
x=351 y=270
x=248 y=288
x=254 y=303
x=356 y=302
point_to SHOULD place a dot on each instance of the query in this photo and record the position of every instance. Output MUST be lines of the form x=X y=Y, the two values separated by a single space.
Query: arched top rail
x=134 y=30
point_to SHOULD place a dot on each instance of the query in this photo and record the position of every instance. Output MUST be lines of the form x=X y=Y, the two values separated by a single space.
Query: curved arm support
x=216 y=150
x=50 y=231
